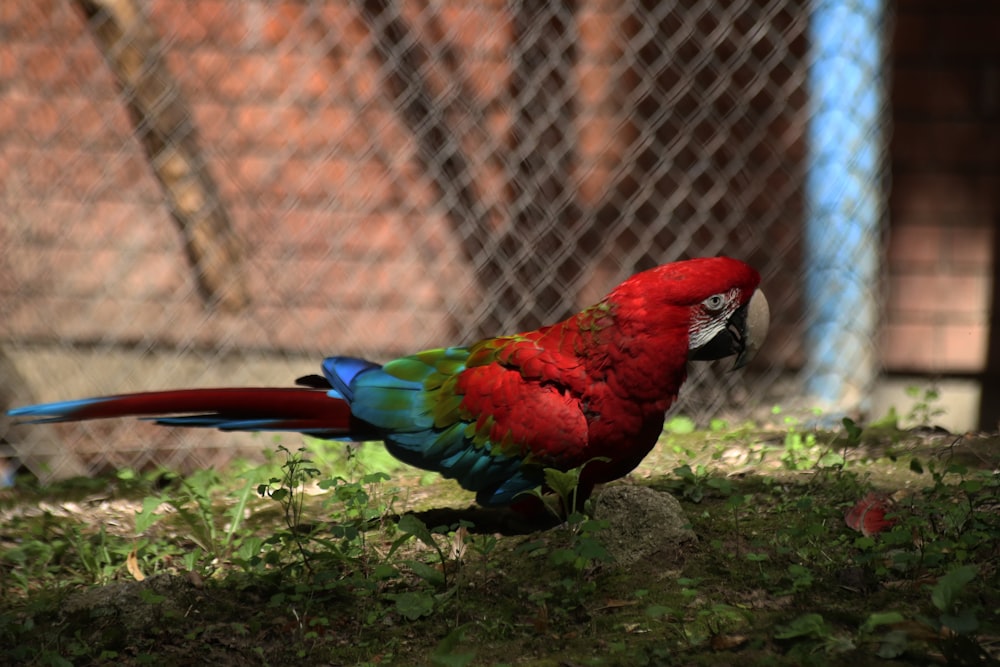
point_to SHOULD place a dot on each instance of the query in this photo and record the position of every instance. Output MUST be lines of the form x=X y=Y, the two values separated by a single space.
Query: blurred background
x=209 y=192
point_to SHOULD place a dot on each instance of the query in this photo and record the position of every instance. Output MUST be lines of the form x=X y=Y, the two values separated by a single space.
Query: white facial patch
x=706 y=324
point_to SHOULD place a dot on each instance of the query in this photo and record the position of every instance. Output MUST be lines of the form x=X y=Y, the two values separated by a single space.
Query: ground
x=728 y=545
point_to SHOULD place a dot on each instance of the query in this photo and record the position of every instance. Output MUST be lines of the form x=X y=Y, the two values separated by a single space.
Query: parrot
x=589 y=392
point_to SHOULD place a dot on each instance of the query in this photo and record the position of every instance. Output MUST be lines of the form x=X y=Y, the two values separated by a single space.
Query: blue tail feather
x=47 y=413
x=342 y=371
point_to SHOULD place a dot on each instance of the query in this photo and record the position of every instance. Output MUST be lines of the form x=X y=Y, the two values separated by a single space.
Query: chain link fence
x=207 y=192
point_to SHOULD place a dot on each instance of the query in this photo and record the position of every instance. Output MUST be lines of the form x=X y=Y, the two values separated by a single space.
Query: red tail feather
x=238 y=403
x=308 y=410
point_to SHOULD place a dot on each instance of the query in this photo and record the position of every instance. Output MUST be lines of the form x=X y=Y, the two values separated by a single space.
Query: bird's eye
x=715 y=302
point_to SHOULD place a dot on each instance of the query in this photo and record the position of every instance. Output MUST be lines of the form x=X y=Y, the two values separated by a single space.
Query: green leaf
x=412 y=605
x=807 y=625
x=562 y=483
x=881 y=618
x=718 y=425
x=446 y=653
x=680 y=425
x=238 y=511
x=971 y=485
x=684 y=472
x=721 y=484
x=889 y=422
x=411 y=525
x=948 y=588
x=893 y=645
x=963 y=623
x=853 y=431
x=146 y=517
x=426 y=572
x=830 y=460
x=658 y=610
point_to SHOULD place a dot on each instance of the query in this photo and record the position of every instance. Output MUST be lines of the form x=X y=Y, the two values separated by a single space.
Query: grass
x=331 y=555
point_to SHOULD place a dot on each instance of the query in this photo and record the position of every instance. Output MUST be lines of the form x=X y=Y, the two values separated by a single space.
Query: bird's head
x=716 y=299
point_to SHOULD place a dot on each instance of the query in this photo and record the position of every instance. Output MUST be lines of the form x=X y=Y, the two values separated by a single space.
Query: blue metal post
x=845 y=200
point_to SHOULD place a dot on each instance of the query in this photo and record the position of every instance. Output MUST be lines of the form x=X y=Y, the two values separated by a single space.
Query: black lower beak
x=742 y=336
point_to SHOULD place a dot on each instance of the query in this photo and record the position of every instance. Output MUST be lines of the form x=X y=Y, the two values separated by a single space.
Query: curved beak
x=744 y=334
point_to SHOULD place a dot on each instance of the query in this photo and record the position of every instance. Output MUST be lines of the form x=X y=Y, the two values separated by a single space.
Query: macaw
x=592 y=389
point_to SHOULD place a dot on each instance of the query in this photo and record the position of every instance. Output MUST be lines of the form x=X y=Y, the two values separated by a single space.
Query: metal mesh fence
x=205 y=192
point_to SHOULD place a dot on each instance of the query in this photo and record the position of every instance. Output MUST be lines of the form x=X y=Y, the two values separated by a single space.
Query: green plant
x=412 y=527
x=950 y=523
x=448 y=652
x=951 y=626
x=815 y=634
x=195 y=501
x=926 y=405
x=93 y=553
x=565 y=484
x=339 y=542
x=696 y=483
x=799 y=447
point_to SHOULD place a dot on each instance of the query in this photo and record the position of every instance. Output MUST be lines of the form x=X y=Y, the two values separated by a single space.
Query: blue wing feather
x=409 y=400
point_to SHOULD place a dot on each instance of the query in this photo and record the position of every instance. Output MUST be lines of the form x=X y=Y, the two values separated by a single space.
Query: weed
x=926 y=405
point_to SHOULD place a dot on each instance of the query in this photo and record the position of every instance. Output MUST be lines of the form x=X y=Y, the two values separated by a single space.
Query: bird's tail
x=313 y=411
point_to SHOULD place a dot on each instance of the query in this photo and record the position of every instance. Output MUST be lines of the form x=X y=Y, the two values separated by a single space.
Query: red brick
x=930 y=90
x=967 y=295
x=963 y=347
x=205 y=66
x=939 y=294
x=42 y=123
x=372 y=237
x=970 y=248
x=968 y=30
x=910 y=347
x=326 y=128
x=176 y=25
x=478 y=29
x=945 y=144
x=284 y=20
x=10 y=66
x=31 y=20
x=221 y=22
x=950 y=195
x=916 y=247
x=600 y=30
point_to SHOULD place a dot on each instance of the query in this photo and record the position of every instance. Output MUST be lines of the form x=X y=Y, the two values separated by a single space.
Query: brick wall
x=300 y=140
x=946 y=186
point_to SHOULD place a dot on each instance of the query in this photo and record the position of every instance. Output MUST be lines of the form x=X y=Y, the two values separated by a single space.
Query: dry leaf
x=132 y=565
x=458 y=544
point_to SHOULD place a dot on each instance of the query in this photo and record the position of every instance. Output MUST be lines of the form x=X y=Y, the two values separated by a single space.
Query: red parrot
x=493 y=415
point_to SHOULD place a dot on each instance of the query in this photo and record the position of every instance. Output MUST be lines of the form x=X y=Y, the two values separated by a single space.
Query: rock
x=643 y=523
